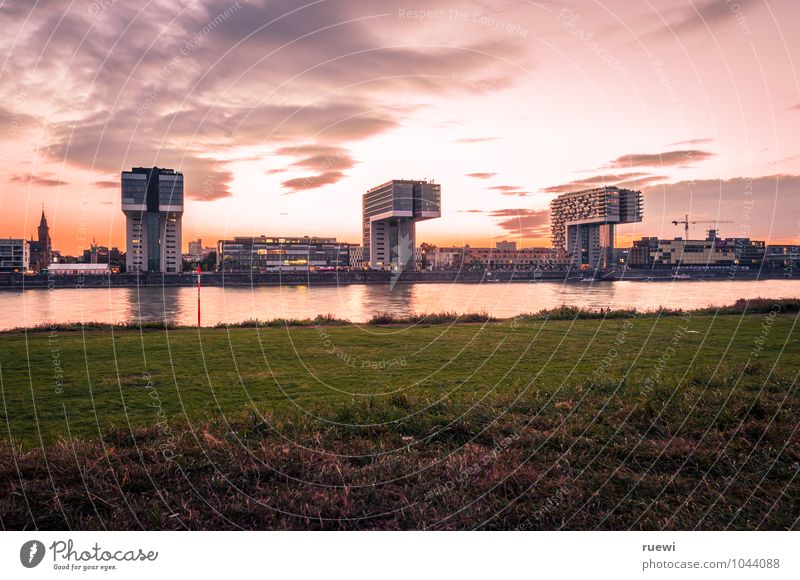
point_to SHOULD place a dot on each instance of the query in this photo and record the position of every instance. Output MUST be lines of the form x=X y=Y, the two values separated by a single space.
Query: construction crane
x=686 y=221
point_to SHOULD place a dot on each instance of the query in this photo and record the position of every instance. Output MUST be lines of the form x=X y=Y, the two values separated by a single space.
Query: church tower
x=45 y=252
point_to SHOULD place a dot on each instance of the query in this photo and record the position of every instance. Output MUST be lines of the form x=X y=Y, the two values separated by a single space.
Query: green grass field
x=681 y=421
x=78 y=384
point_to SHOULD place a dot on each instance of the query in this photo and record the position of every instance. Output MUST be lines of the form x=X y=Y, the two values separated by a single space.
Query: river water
x=360 y=302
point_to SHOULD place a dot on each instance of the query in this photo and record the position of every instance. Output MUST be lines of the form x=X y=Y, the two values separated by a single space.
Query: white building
x=15 y=255
x=79 y=269
x=152 y=200
x=447 y=257
x=356 y=256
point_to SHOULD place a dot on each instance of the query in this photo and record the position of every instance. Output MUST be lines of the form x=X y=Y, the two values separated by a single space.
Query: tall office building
x=582 y=223
x=390 y=213
x=195 y=249
x=152 y=200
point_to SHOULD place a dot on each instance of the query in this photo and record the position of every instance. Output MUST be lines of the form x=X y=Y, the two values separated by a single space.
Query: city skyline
x=282 y=117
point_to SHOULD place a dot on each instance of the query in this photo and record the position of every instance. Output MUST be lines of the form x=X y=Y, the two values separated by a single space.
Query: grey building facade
x=390 y=212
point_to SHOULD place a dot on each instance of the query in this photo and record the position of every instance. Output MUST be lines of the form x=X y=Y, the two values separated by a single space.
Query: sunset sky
x=281 y=114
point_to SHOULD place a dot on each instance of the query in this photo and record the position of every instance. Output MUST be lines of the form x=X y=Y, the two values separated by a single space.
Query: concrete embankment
x=20 y=281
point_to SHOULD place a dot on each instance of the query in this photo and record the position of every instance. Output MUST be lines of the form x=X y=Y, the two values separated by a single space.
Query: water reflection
x=153 y=304
x=359 y=303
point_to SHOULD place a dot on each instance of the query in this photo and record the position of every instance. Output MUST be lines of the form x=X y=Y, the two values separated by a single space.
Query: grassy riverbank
x=614 y=422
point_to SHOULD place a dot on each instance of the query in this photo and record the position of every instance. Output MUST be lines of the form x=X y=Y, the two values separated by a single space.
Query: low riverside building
x=273 y=254
x=781 y=257
x=79 y=269
x=713 y=251
x=15 y=255
x=504 y=256
x=447 y=258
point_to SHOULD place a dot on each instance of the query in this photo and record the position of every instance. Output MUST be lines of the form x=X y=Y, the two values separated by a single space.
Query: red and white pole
x=198 y=297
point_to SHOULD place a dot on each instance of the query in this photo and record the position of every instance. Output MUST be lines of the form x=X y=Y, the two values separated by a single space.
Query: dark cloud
x=334 y=122
x=18 y=9
x=629 y=179
x=181 y=84
x=481 y=175
x=307 y=149
x=328 y=162
x=523 y=222
x=204 y=179
x=14 y=122
x=515 y=190
x=667 y=158
x=475 y=139
x=339 y=44
x=44 y=180
x=312 y=181
x=325 y=162
x=105 y=184
x=693 y=142
x=318 y=157
x=702 y=15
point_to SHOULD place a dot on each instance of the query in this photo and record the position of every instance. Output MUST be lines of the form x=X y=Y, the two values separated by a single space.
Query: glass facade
x=265 y=254
x=427 y=198
x=170 y=189
x=379 y=200
x=134 y=188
